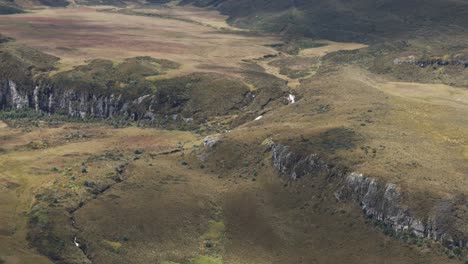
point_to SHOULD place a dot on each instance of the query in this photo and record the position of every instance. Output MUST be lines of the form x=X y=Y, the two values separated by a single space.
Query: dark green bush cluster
x=403 y=236
x=9 y=7
x=411 y=239
x=24 y=118
x=20 y=114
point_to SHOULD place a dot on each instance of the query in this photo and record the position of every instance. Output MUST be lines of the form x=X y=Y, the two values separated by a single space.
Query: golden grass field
x=419 y=131
x=166 y=211
x=25 y=170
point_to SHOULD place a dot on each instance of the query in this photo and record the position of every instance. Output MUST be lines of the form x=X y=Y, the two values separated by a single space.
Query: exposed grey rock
x=50 y=103
x=461 y=59
x=52 y=100
x=19 y=101
x=378 y=200
x=141 y=99
x=458 y=60
x=149 y=116
x=212 y=140
x=295 y=165
x=36 y=98
x=209 y=142
x=405 y=60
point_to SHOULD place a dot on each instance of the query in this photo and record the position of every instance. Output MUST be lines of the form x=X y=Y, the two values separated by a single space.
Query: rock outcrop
x=378 y=200
x=85 y=103
x=458 y=60
x=52 y=100
x=211 y=140
x=189 y=99
x=103 y=89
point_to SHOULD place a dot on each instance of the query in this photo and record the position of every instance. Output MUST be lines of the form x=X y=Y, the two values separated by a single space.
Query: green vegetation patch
x=118 y=3
x=105 y=77
x=343 y=20
x=9 y=7
x=21 y=63
x=145 y=66
x=215 y=232
x=113 y=246
x=54 y=3
x=206 y=260
x=297 y=67
x=27 y=119
x=203 y=95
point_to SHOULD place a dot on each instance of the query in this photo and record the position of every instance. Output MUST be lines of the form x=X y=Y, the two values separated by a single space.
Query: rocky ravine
x=378 y=200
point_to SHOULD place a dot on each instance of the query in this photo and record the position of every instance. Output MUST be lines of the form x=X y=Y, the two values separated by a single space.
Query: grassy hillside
x=9 y=7
x=343 y=19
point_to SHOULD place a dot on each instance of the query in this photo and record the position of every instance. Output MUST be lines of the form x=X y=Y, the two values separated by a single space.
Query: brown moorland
x=83 y=33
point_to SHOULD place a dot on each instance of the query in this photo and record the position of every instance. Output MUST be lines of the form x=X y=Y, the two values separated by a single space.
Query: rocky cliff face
x=191 y=99
x=84 y=103
x=103 y=89
x=378 y=200
x=49 y=99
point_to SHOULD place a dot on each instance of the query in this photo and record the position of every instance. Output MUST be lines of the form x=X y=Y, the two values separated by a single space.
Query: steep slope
x=345 y=20
x=9 y=7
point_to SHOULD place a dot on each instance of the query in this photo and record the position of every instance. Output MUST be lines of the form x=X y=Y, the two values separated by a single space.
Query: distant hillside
x=9 y=7
x=344 y=19
x=18 y=6
x=53 y=3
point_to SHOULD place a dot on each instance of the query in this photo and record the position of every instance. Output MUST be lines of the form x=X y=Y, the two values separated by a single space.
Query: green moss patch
x=215 y=231
x=113 y=246
x=206 y=260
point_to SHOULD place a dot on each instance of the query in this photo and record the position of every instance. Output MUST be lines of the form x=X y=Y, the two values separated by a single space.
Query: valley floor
x=80 y=34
